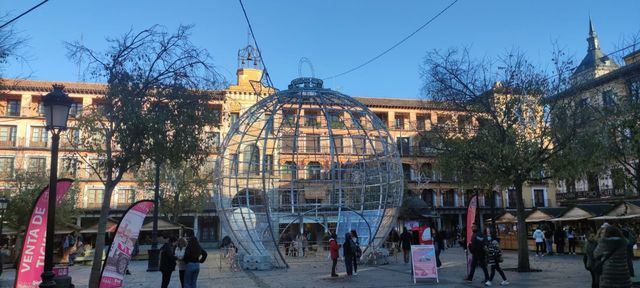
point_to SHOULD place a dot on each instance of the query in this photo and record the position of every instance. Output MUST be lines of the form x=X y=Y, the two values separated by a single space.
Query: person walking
x=405 y=241
x=589 y=260
x=478 y=249
x=167 y=260
x=334 y=249
x=538 y=235
x=494 y=257
x=548 y=239
x=571 y=237
x=612 y=259
x=438 y=243
x=559 y=237
x=349 y=252
x=193 y=256
x=358 y=251
x=179 y=253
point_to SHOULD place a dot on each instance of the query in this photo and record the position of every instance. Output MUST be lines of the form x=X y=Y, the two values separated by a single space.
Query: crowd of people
x=485 y=250
x=608 y=256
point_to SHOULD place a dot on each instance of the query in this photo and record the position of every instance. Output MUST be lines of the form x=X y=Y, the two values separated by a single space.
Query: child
x=495 y=257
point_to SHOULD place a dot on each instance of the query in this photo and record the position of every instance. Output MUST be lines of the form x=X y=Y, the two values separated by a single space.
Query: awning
x=66 y=228
x=574 y=214
x=111 y=227
x=538 y=216
x=624 y=210
x=615 y=217
x=506 y=218
x=162 y=226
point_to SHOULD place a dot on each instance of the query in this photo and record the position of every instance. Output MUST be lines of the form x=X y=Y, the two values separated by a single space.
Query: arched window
x=426 y=172
x=290 y=170
x=314 y=171
x=251 y=160
x=248 y=197
x=428 y=197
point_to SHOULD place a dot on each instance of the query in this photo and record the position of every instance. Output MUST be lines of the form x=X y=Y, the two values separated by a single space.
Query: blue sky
x=334 y=35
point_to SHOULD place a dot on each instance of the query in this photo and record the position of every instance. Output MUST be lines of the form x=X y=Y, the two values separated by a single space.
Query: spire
x=593 y=37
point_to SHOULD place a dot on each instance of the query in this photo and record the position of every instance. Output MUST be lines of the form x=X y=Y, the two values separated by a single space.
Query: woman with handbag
x=611 y=258
x=494 y=254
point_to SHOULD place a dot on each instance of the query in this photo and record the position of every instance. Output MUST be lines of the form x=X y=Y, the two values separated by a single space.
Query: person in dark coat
x=358 y=250
x=611 y=255
x=193 y=256
x=589 y=260
x=405 y=241
x=559 y=237
x=167 y=260
x=494 y=257
x=349 y=252
x=438 y=242
x=631 y=240
x=478 y=249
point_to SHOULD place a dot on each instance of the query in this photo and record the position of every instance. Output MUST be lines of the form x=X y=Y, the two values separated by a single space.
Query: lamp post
x=56 y=112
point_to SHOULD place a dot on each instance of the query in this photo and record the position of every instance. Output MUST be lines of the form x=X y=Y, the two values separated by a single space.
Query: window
x=383 y=117
x=289 y=118
x=406 y=170
x=124 y=197
x=37 y=165
x=511 y=193
x=313 y=143
x=69 y=167
x=13 y=108
x=399 y=122
x=359 y=144
x=94 y=197
x=8 y=136
x=39 y=137
x=609 y=98
x=71 y=138
x=41 y=108
x=421 y=122
x=233 y=118
x=75 y=110
x=289 y=197
x=338 y=143
x=290 y=170
x=403 y=146
x=289 y=143
x=538 y=196
x=212 y=139
x=427 y=196
x=268 y=164
x=251 y=159
x=6 y=167
x=314 y=171
x=335 y=120
x=311 y=119
x=634 y=91
x=448 y=198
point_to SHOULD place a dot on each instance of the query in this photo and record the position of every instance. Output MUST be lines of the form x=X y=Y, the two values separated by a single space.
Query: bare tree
x=505 y=132
x=143 y=71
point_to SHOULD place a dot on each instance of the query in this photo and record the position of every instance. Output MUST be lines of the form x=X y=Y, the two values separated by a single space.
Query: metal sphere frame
x=307 y=155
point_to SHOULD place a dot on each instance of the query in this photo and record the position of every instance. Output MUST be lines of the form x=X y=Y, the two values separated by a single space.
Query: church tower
x=595 y=63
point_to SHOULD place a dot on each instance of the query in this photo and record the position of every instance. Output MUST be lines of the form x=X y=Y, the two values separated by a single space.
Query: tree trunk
x=523 y=246
x=96 y=268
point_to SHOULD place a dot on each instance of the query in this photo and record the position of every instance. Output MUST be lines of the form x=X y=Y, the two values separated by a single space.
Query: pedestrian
x=180 y=249
x=494 y=259
x=559 y=237
x=405 y=239
x=168 y=260
x=349 y=252
x=334 y=248
x=611 y=258
x=548 y=239
x=571 y=237
x=628 y=234
x=358 y=251
x=438 y=243
x=589 y=260
x=193 y=256
x=538 y=235
x=478 y=249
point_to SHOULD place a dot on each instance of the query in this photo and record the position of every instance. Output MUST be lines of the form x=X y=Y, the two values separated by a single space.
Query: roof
x=403 y=103
x=630 y=70
x=594 y=58
x=553 y=211
x=596 y=209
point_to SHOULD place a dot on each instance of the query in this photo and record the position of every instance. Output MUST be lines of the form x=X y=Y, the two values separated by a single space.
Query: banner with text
x=423 y=260
x=119 y=253
x=471 y=217
x=31 y=263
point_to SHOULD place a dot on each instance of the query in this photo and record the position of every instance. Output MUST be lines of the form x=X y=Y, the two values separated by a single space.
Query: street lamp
x=56 y=113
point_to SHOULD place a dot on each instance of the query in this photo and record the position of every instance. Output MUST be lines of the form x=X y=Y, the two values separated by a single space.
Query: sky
x=334 y=35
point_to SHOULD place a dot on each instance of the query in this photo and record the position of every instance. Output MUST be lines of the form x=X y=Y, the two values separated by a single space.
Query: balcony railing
x=609 y=192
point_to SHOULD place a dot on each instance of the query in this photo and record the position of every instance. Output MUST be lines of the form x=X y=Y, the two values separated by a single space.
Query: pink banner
x=31 y=263
x=471 y=217
x=423 y=260
x=119 y=253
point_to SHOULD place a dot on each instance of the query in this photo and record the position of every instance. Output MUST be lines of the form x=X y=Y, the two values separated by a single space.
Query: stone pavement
x=557 y=271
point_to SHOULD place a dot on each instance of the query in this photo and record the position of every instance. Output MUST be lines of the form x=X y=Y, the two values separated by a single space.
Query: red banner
x=119 y=253
x=471 y=217
x=31 y=263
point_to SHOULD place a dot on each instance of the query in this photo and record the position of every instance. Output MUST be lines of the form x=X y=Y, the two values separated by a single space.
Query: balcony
x=603 y=193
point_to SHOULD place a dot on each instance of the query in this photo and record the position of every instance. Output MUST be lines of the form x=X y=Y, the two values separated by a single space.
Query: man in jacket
x=405 y=239
x=478 y=249
x=167 y=260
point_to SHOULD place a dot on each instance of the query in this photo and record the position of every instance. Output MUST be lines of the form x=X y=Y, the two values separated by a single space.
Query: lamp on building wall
x=56 y=113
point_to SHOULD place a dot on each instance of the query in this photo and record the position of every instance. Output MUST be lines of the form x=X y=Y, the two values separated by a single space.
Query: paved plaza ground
x=557 y=271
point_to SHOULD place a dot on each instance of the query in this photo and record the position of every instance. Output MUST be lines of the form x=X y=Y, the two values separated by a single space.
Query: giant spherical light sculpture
x=306 y=156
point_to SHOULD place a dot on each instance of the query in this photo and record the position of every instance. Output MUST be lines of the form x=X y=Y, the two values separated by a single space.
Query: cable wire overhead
x=395 y=45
